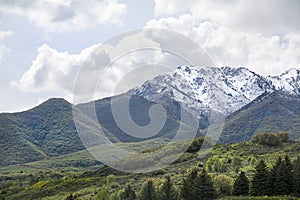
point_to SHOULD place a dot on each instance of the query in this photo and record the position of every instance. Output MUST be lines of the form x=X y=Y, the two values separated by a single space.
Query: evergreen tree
x=272 y=177
x=288 y=163
x=289 y=174
x=188 y=186
x=148 y=191
x=204 y=188
x=283 y=170
x=128 y=194
x=296 y=178
x=241 y=185
x=281 y=183
x=259 y=186
x=167 y=191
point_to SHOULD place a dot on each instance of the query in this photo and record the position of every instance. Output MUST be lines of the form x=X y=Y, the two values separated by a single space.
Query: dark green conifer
x=204 y=189
x=188 y=186
x=167 y=191
x=148 y=191
x=241 y=185
x=128 y=194
x=259 y=186
x=296 y=178
x=272 y=177
x=289 y=174
x=280 y=186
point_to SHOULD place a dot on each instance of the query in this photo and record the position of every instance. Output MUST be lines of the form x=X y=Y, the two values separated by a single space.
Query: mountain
x=137 y=108
x=48 y=130
x=44 y=131
x=288 y=81
x=193 y=86
x=278 y=111
x=252 y=104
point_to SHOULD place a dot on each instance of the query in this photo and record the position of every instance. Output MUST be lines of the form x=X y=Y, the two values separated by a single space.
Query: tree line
x=271 y=139
x=280 y=180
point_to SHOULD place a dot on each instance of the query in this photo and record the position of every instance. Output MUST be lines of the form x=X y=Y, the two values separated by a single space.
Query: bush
x=271 y=139
x=196 y=145
x=223 y=184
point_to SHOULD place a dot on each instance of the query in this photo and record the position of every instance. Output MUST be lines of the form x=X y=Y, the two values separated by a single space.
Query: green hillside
x=226 y=159
x=48 y=130
x=276 y=112
x=42 y=132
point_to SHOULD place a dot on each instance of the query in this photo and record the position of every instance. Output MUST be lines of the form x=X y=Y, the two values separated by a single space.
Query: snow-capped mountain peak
x=192 y=86
x=288 y=81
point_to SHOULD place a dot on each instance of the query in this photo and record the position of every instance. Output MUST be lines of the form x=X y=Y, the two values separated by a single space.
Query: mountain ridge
x=48 y=130
x=191 y=86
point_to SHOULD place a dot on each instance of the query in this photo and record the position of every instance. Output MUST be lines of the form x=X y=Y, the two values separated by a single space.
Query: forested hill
x=221 y=169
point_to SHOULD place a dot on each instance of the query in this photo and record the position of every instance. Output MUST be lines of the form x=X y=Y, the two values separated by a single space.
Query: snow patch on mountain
x=288 y=81
x=197 y=87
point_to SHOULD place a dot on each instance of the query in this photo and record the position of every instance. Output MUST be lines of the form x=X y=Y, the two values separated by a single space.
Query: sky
x=45 y=43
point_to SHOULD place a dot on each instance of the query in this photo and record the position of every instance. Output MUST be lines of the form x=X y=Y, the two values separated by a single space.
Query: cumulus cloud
x=268 y=16
x=66 y=15
x=53 y=71
x=58 y=71
x=108 y=69
x=262 y=35
x=3 y=35
x=165 y=7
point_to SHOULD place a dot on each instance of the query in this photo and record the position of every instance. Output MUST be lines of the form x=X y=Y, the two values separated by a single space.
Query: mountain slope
x=272 y=112
x=45 y=131
x=138 y=109
x=48 y=130
x=15 y=145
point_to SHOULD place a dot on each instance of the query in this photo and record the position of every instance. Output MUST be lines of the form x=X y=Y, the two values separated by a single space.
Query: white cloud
x=262 y=35
x=57 y=71
x=165 y=7
x=52 y=70
x=265 y=16
x=5 y=34
x=3 y=48
x=66 y=15
x=114 y=64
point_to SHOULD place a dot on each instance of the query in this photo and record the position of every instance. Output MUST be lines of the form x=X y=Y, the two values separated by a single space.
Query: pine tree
x=283 y=170
x=204 y=188
x=288 y=163
x=128 y=194
x=281 y=183
x=148 y=191
x=167 y=191
x=272 y=177
x=241 y=185
x=259 y=186
x=289 y=174
x=296 y=178
x=188 y=187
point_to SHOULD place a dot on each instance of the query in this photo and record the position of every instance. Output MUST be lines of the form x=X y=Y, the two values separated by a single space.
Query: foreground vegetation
x=226 y=172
